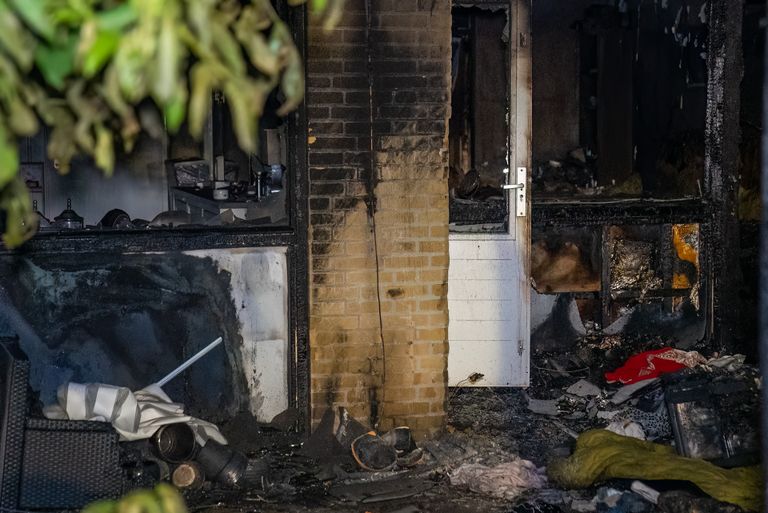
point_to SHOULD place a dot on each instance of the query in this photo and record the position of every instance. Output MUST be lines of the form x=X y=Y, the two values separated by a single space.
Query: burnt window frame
x=293 y=237
x=487 y=216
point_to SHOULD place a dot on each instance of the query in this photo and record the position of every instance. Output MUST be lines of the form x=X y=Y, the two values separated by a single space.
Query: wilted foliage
x=86 y=68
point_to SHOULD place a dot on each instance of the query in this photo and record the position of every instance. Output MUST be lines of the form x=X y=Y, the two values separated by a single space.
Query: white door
x=488 y=276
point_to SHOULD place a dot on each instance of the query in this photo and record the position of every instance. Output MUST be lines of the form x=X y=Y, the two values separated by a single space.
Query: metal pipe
x=181 y=368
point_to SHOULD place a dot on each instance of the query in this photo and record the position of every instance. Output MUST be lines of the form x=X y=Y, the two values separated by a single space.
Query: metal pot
x=223 y=464
x=175 y=442
x=68 y=219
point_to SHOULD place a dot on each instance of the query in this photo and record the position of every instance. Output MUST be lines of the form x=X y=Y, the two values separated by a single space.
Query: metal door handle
x=521 y=197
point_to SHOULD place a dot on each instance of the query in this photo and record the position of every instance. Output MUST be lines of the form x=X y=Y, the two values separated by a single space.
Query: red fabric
x=647 y=365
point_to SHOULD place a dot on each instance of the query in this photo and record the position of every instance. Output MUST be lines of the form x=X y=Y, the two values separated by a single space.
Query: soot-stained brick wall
x=378 y=104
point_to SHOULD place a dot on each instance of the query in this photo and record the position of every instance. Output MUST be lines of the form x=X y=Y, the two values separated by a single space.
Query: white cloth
x=627 y=428
x=731 y=363
x=134 y=415
x=507 y=480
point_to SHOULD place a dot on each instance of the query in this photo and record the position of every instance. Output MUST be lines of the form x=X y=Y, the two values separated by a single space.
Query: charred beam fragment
x=725 y=65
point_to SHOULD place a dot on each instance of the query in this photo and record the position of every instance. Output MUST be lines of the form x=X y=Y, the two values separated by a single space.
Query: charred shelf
x=650 y=294
x=472 y=212
x=594 y=212
x=179 y=239
x=586 y=212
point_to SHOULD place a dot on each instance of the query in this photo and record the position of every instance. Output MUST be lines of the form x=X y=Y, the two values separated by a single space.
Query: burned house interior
x=606 y=154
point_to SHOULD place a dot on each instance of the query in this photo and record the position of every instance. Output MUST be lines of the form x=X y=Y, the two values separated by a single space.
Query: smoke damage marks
x=126 y=320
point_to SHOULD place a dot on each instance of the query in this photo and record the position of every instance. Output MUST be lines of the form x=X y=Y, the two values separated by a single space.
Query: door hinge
x=520 y=347
x=523 y=40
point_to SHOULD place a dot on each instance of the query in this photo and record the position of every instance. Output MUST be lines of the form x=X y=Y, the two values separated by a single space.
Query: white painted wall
x=259 y=278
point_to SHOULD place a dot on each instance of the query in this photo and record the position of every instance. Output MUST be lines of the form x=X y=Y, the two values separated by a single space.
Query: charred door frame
x=294 y=238
x=725 y=69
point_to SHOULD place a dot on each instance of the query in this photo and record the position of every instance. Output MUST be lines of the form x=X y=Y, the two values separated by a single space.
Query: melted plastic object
x=714 y=417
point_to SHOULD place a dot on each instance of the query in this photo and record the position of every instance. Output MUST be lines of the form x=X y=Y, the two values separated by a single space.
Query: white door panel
x=488 y=309
x=483 y=310
x=499 y=364
x=489 y=270
x=482 y=330
x=504 y=290
x=468 y=248
x=488 y=274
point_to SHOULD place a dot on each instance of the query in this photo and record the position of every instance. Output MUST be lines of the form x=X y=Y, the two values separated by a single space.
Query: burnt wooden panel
x=614 y=108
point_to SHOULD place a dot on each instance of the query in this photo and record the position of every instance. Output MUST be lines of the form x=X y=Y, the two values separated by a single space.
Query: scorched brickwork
x=378 y=104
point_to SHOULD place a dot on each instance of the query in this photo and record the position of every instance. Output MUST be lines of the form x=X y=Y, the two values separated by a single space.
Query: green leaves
x=204 y=80
x=57 y=62
x=95 y=55
x=9 y=157
x=166 y=76
x=117 y=18
x=164 y=498
x=332 y=10
x=84 y=66
x=20 y=219
x=104 y=152
x=14 y=39
x=35 y=14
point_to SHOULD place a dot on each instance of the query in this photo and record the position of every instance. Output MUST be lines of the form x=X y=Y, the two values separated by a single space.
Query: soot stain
x=128 y=320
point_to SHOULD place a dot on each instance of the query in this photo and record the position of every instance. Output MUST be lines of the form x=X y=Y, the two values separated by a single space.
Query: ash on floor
x=495 y=432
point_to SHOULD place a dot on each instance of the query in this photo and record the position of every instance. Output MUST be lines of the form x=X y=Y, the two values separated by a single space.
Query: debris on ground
x=543 y=406
x=569 y=397
x=645 y=491
x=714 y=415
x=506 y=480
x=573 y=424
x=686 y=502
x=134 y=415
x=583 y=388
x=373 y=453
x=628 y=391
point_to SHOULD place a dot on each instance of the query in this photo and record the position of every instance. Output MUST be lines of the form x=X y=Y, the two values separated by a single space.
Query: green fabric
x=602 y=455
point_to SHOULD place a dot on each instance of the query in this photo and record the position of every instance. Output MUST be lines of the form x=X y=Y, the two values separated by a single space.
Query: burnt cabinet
x=633 y=267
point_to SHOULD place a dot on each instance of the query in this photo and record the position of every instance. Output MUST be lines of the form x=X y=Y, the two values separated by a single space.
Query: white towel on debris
x=134 y=415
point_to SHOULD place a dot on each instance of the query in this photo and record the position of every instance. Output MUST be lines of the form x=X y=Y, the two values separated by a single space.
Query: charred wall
x=556 y=77
x=128 y=319
x=378 y=101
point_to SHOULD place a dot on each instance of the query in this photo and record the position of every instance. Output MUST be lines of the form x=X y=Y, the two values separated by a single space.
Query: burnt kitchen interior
x=624 y=223
x=635 y=246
